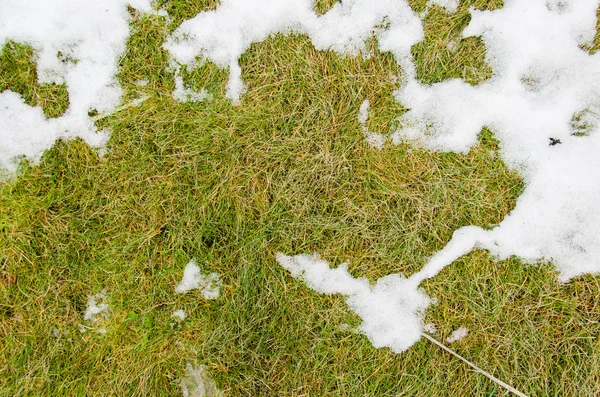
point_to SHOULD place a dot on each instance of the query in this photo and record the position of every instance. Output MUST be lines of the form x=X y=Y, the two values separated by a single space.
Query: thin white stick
x=490 y=376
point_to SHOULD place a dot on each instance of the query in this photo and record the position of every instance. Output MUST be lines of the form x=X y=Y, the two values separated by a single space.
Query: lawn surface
x=287 y=170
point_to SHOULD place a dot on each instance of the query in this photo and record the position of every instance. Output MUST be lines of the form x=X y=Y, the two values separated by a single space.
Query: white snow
x=93 y=36
x=224 y=34
x=449 y=5
x=96 y=306
x=374 y=139
x=208 y=284
x=344 y=327
x=183 y=94
x=430 y=328
x=198 y=382
x=391 y=309
x=179 y=315
x=457 y=335
x=541 y=79
x=25 y=131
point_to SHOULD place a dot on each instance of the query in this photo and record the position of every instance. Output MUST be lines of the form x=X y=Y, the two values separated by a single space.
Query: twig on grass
x=481 y=371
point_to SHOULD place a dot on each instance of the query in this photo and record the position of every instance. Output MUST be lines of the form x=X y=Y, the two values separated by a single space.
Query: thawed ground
x=253 y=135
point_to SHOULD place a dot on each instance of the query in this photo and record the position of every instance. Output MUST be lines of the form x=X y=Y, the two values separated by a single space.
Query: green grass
x=19 y=75
x=286 y=170
x=444 y=54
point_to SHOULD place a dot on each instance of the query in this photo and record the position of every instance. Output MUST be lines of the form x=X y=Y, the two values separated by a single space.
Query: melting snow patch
x=448 y=5
x=25 y=131
x=391 y=309
x=344 y=327
x=96 y=307
x=183 y=94
x=542 y=79
x=430 y=328
x=208 y=284
x=93 y=35
x=374 y=139
x=457 y=335
x=224 y=34
x=199 y=383
x=179 y=315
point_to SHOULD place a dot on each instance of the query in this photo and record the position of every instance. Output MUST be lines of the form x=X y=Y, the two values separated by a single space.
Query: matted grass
x=286 y=170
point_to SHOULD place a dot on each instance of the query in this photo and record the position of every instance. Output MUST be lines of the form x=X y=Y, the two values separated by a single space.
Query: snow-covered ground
x=542 y=78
